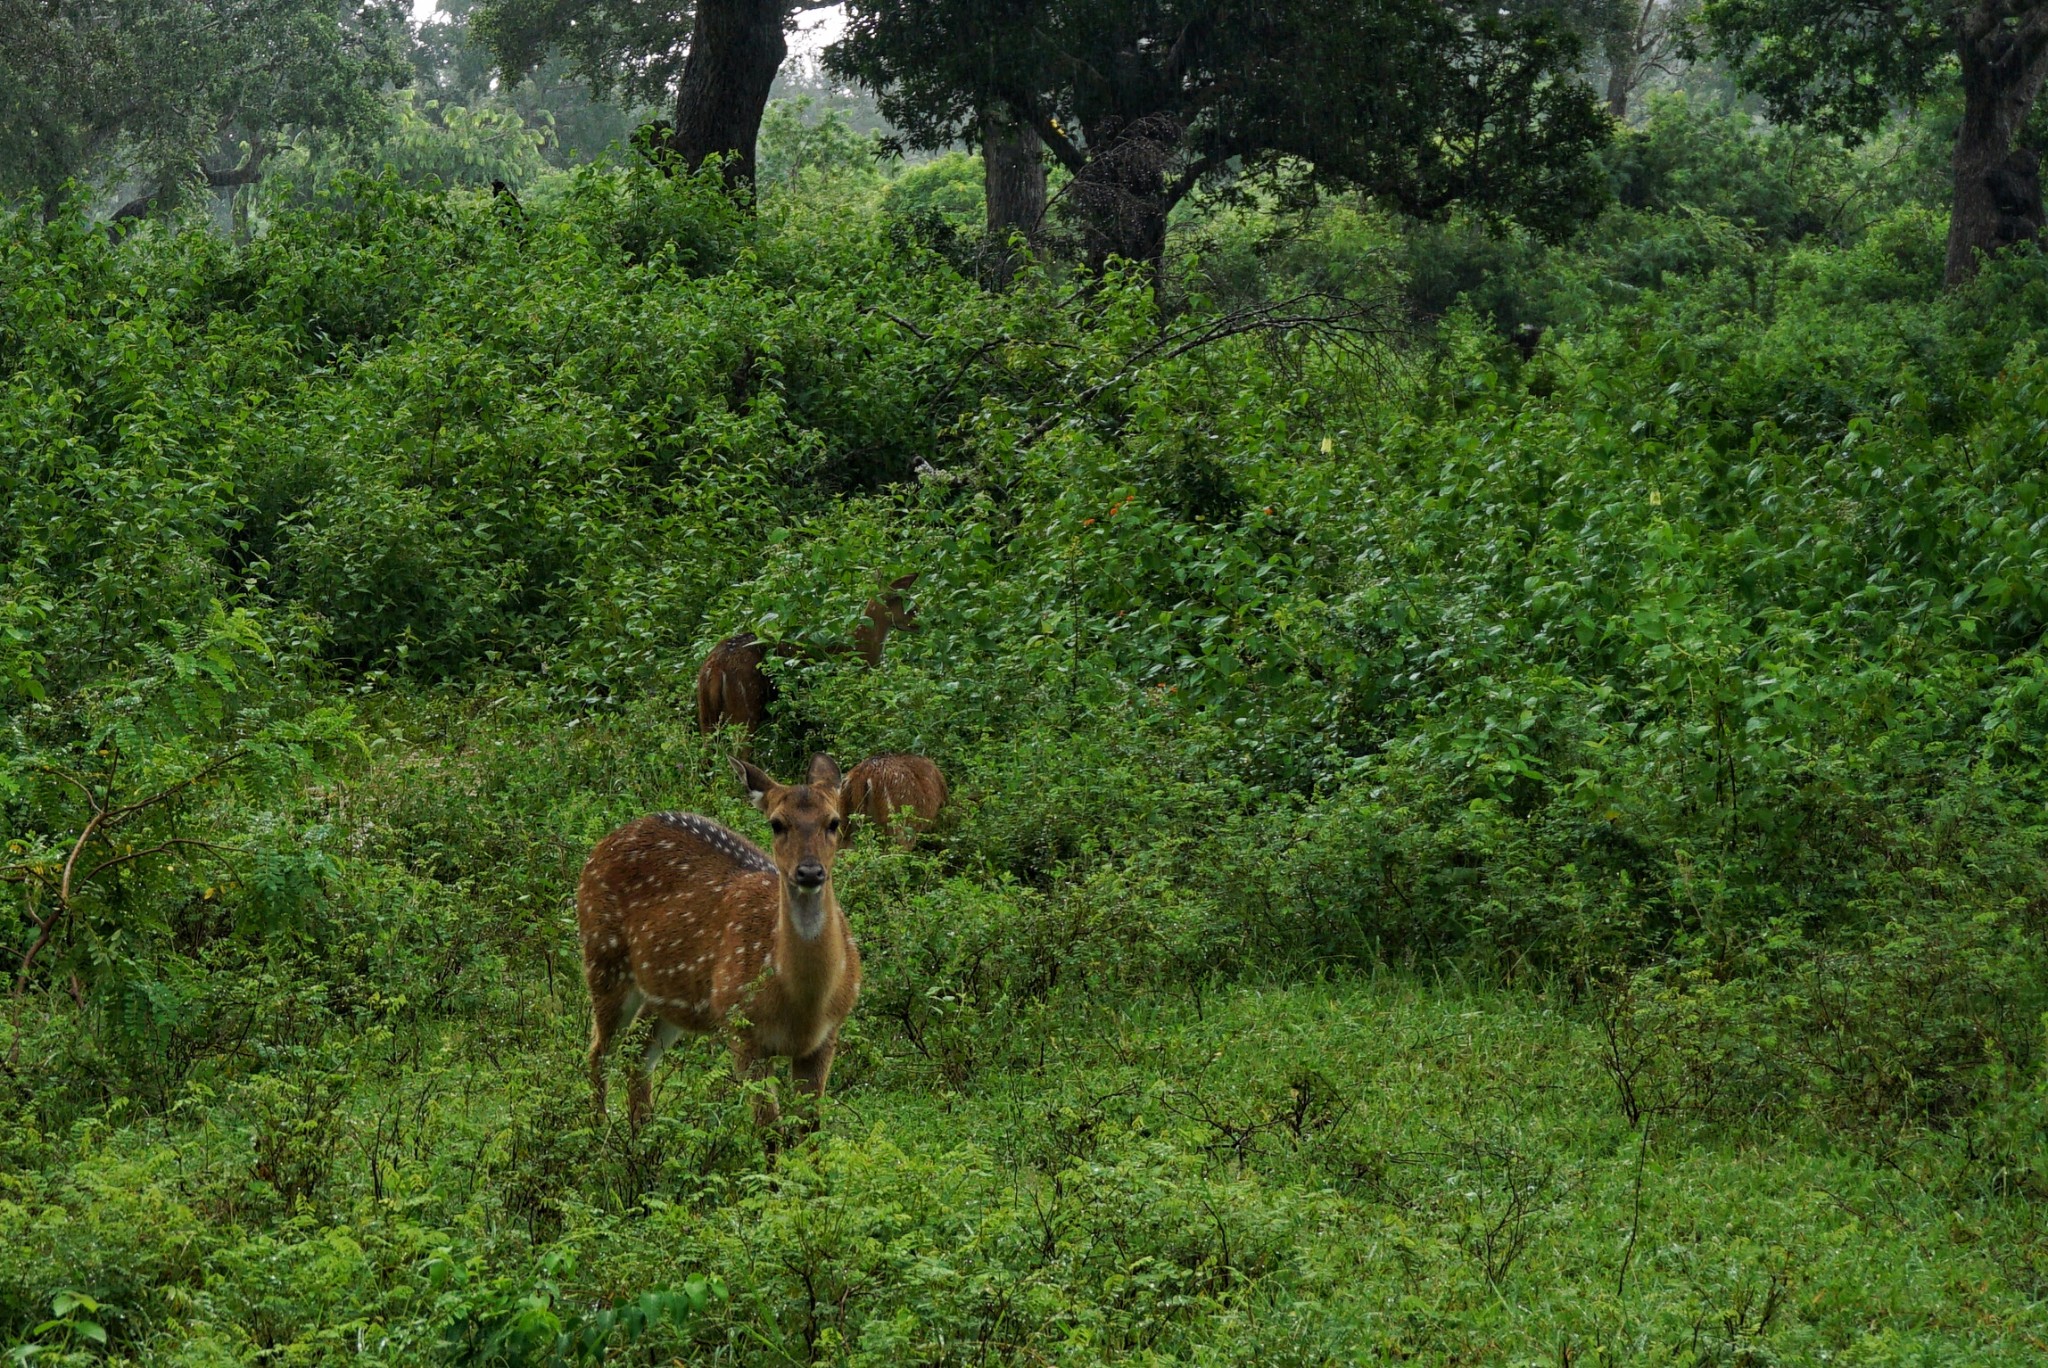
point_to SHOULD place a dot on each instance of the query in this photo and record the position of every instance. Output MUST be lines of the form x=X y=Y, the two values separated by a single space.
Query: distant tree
x=1637 y=38
x=796 y=137
x=1844 y=66
x=1623 y=40
x=451 y=63
x=448 y=61
x=171 y=94
x=717 y=62
x=1423 y=103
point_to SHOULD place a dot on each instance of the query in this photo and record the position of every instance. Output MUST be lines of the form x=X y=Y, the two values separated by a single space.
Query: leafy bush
x=1686 y=669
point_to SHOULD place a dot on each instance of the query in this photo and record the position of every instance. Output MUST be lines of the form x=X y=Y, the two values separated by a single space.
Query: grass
x=1335 y=1172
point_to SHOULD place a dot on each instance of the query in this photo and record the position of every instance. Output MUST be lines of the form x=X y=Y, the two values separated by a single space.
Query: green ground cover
x=1458 y=856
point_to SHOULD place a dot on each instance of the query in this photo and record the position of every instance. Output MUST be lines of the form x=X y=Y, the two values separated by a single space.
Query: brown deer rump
x=731 y=685
x=883 y=784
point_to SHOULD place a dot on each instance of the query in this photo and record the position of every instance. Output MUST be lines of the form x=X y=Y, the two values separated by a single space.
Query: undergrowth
x=1456 y=854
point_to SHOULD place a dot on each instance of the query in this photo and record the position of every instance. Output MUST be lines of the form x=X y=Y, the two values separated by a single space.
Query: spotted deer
x=690 y=922
x=733 y=689
x=897 y=792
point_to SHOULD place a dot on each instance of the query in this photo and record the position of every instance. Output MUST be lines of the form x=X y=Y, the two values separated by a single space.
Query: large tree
x=1844 y=66
x=716 y=60
x=1421 y=102
x=166 y=94
x=1013 y=185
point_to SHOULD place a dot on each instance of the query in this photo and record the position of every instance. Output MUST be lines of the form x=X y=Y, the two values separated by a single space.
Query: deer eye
x=778 y=826
x=833 y=825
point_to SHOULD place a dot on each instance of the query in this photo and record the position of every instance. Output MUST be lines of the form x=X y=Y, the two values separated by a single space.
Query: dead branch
x=1360 y=331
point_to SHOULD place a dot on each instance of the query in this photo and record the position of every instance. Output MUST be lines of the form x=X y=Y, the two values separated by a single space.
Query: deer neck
x=808 y=950
x=868 y=639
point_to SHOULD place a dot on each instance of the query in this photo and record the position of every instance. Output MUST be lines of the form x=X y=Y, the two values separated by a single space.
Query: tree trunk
x=736 y=47
x=1621 y=72
x=1120 y=196
x=1013 y=179
x=1997 y=186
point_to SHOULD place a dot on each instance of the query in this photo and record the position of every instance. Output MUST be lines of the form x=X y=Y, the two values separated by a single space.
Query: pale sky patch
x=811 y=33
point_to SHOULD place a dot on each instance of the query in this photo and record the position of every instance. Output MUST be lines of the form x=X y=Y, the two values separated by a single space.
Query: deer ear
x=906 y=581
x=824 y=772
x=756 y=782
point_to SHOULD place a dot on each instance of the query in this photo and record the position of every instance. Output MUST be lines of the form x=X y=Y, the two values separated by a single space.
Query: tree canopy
x=1845 y=66
x=1422 y=104
x=630 y=49
x=171 y=92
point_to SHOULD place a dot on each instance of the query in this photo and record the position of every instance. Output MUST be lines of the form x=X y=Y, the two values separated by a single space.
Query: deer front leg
x=813 y=1069
x=810 y=1073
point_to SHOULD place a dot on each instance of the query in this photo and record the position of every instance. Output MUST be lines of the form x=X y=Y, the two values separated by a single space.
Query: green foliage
x=797 y=144
x=949 y=186
x=1670 y=701
x=168 y=93
x=516 y=1322
x=1823 y=63
x=430 y=141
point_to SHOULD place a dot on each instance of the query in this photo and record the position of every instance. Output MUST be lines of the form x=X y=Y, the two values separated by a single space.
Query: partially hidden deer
x=898 y=792
x=733 y=689
x=688 y=921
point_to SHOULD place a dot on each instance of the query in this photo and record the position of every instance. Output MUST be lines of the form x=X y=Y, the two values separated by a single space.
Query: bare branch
x=1360 y=331
x=122 y=813
x=919 y=333
x=160 y=848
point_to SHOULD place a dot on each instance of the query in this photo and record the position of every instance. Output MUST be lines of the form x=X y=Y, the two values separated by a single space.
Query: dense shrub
x=1688 y=666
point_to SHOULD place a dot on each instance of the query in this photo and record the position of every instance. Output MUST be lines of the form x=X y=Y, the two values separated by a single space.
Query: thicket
x=1689 y=667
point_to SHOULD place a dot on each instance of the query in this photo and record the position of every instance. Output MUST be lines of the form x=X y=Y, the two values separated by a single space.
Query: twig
x=159 y=849
x=1635 y=1222
x=919 y=333
x=1358 y=330
x=104 y=819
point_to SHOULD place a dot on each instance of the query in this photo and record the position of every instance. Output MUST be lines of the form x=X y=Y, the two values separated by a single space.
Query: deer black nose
x=810 y=874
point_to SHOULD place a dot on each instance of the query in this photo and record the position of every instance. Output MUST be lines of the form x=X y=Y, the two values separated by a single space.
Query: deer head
x=808 y=831
x=887 y=613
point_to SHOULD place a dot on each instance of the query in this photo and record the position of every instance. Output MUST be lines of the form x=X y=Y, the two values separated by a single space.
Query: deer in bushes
x=733 y=689
x=897 y=792
x=689 y=922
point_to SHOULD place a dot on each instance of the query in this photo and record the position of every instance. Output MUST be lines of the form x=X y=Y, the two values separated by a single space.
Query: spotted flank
x=723 y=839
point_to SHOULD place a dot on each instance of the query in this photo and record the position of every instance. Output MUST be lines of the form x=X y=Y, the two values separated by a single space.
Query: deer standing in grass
x=897 y=792
x=694 y=924
x=733 y=689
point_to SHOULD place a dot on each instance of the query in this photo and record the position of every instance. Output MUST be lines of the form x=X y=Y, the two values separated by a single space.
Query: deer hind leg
x=612 y=1009
x=640 y=1089
x=753 y=1067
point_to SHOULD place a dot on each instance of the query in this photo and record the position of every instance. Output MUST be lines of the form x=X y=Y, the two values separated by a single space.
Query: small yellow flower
x=1656 y=499
x=1329 y=445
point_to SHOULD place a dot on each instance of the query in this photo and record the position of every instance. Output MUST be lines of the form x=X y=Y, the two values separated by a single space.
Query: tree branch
x=1354 y=328
x=158 y=849
x=1071 y=157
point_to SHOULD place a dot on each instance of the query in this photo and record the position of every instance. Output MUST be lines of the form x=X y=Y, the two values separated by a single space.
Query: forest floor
x=1345 y=1171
